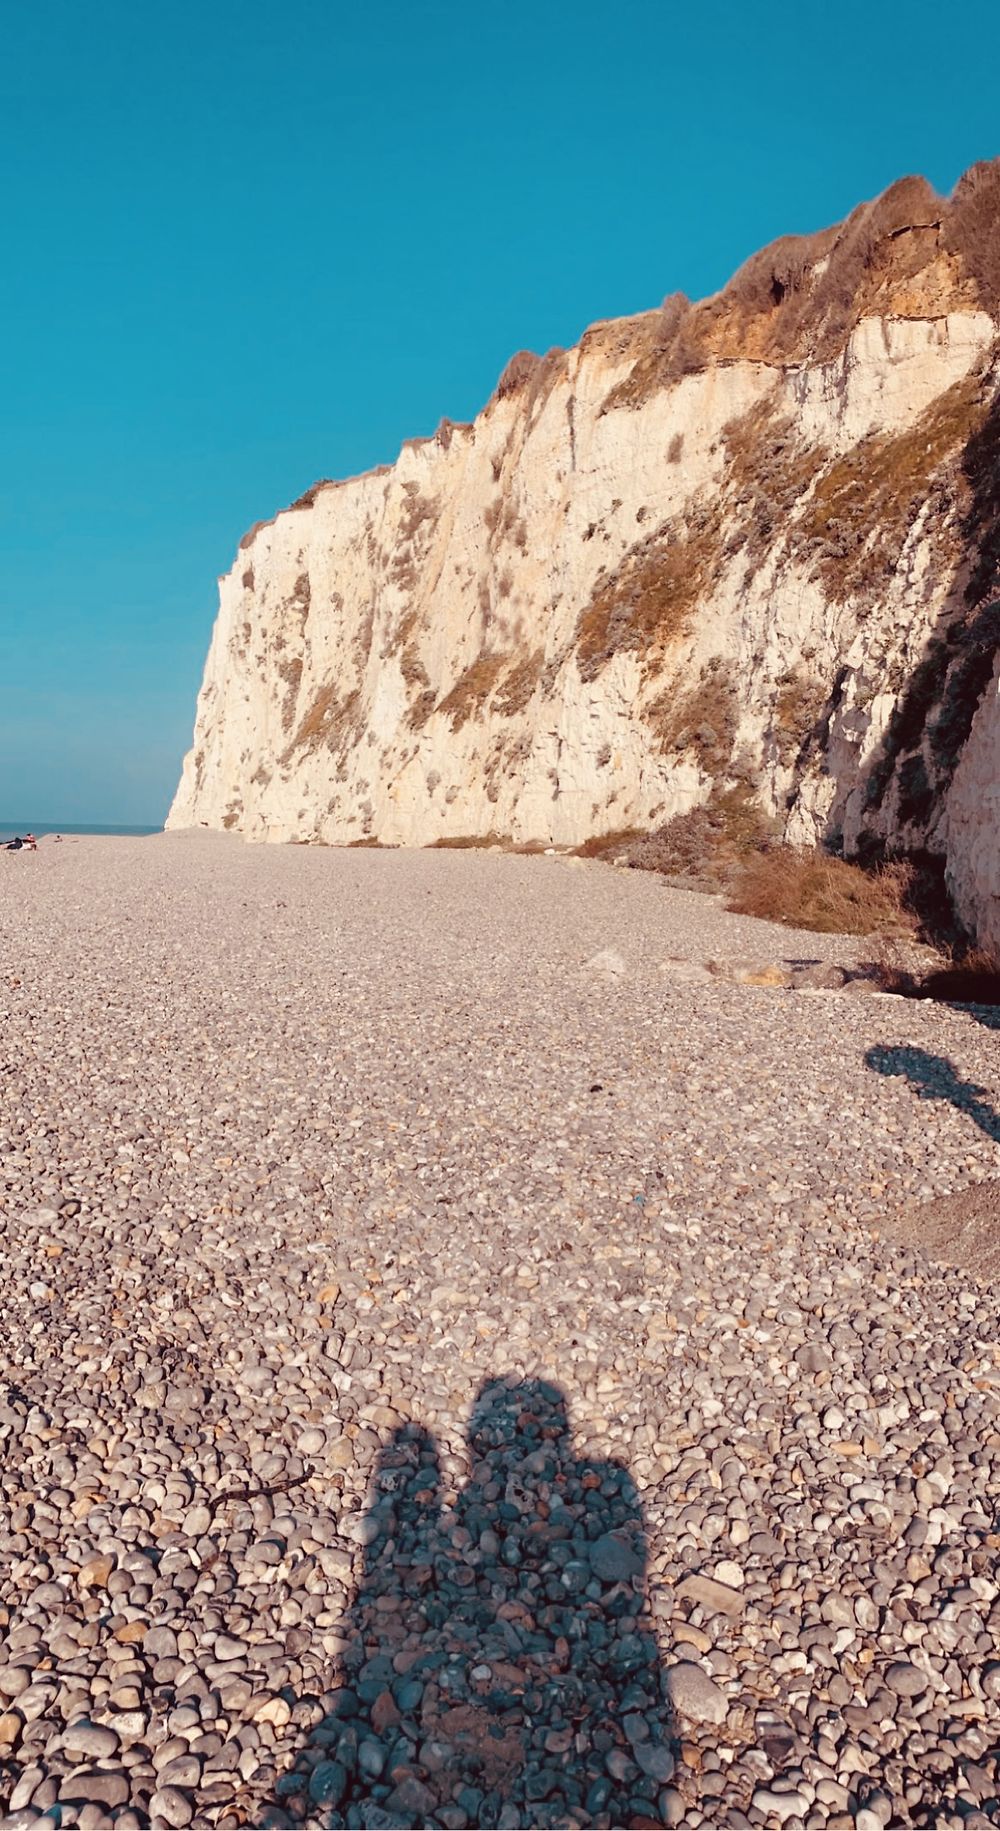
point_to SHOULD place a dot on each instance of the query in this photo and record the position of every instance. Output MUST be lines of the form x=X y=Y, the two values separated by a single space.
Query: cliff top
x=910 y=253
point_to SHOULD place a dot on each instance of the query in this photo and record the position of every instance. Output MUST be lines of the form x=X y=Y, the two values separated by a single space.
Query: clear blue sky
x=247 y=245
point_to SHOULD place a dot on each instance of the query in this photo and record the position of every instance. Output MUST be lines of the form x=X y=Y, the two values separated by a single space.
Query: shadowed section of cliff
x=502 y=1669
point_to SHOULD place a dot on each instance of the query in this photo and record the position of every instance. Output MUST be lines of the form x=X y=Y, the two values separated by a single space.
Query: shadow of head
x=934 y=1077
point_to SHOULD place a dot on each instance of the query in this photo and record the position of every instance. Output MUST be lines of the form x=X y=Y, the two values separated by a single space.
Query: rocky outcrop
x=751 y=540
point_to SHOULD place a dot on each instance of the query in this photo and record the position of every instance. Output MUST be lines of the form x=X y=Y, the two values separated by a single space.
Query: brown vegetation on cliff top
x=907 y=254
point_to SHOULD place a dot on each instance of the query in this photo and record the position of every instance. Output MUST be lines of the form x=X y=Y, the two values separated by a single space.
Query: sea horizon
x=10 y=828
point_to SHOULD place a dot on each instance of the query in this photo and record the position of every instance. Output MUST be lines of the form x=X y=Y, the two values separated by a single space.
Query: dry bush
x=813 y=890
x=250 y=536
x=981 y=520
x=532 y=377
x=863 y=507
x=412 y=668
x=707 y=845
x=975 y=980
x=291 y=673
x=701 y=720
x=669 y=351
x=421 y=709
x=803 y=295
x=330 y=720
x=971 y=229
x=798 y=707
x=943 y=691
x=308 y=497
x=767 y=473
x=472 y=688
x=518 y=373
x=647 y=602
x=415 y=512
x=814 y=288
x=610 y=844
x=464 y=842
x=703 y=847
x=969 y=978
x=301 y=597
x=519 y=685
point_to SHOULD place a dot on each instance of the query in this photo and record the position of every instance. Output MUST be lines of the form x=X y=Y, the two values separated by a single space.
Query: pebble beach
x=461 y=1368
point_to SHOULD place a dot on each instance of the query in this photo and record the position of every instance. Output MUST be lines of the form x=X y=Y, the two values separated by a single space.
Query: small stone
x=160 y=1643
x=780 y=1805
x=91 y=1740
x=182 y=1771
x=131 y=1633
x=11 y=1725
x=170 y=1806
x=95 y=1789
x=615 y=1559
x=227 y=1646
x=274 y=1710
x=716 y=1598
x=729 y=1572
x=906 y=1680
x=654 y=1759
x=95 y=1573
x=693 y=1694
x=328 y=1783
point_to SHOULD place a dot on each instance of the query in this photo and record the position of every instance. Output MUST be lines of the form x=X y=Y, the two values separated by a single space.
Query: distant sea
x=8 y=828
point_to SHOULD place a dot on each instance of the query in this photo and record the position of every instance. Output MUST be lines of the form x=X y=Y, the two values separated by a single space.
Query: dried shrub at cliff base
x=728 y=844
x=814 y=890
x=704 y=847
x=646 y=604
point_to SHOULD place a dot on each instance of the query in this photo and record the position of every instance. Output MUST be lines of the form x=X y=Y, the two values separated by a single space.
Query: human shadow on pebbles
x=502 y=1668
x=934 y=1077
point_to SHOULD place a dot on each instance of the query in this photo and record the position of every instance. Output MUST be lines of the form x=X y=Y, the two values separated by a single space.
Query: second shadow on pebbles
x=502 y=1668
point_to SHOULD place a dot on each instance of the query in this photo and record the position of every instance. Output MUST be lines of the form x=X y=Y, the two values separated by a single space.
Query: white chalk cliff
x=752 y=540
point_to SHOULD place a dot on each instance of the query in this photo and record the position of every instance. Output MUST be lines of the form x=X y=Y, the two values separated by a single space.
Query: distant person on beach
x=31 y=842
x=15 y=845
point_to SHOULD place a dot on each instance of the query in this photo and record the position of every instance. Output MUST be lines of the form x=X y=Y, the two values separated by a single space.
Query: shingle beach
x=458 y=1370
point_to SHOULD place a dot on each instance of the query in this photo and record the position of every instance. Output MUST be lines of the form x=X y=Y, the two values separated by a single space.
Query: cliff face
x=753 y=539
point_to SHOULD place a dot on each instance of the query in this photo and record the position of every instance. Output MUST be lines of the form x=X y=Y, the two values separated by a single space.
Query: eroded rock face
x=752 y=540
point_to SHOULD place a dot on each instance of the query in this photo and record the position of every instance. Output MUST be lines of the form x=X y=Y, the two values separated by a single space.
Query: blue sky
x=247 y=245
